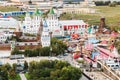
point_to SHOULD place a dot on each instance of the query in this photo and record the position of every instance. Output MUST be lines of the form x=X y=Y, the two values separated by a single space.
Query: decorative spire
x=38 y=12
x=51 y=11
x=77 y=49
x=45 y=23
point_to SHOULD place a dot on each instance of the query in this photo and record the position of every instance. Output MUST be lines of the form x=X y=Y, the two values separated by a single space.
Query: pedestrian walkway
x=22 y=76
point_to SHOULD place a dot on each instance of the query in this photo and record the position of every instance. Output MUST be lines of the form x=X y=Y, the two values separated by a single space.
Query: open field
x=8 y=8
x=112 y=15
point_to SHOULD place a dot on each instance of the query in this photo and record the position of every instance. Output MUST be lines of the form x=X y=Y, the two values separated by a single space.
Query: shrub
x=112 y=4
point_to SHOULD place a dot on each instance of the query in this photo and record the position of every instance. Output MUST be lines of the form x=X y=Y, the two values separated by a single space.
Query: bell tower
x=40 y=29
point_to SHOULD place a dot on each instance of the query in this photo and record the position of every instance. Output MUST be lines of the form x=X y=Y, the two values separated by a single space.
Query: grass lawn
x=16 y=78
x=8 y=8
x=111 y=14
x=27 y=76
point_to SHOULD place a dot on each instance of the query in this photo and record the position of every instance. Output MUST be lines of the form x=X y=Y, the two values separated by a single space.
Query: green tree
x=60 y=64
x=12 y=74
x=25 y=65
x=71 y=73
x=15 y=51
x=3 y=73
x=53 y=70
x=7 y=66
x=14 y=66
x=58 y=46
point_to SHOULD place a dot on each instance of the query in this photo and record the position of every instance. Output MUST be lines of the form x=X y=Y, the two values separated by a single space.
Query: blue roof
x=45 y=23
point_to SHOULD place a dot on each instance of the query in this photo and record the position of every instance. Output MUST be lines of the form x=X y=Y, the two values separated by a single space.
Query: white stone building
x=31 y=25
x=9 y=25
x=53 y=23
x=8 y=22
x=4 y=37
x=71 y=26
x=57 y=27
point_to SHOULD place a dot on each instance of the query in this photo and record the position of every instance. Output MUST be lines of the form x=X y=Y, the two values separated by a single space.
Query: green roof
x=51 y=11
x=38 y=12
x=27 y=12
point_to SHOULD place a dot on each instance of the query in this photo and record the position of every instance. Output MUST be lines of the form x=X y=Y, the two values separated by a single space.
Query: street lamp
x=50 y=33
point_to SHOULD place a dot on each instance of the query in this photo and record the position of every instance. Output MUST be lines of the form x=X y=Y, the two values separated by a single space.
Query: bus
x=19 y=56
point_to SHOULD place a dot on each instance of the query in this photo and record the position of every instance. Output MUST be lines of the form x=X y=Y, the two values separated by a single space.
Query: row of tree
x=57 y=47
x=104 y=3
x=53 y=70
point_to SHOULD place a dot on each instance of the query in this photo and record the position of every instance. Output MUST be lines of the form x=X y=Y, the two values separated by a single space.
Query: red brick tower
x=40 y=30
x=102 y=25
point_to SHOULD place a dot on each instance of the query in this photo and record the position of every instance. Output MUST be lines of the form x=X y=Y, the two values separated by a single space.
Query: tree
x=12 y=74
x=29 y=2
x=25 y=65
x=71 y=73
x=15 y=51
x=61 y=64
x=3 y=73
x=14 y=66
x=112 y=4
x=58 y=46
x=7 y=66
x=53 y=70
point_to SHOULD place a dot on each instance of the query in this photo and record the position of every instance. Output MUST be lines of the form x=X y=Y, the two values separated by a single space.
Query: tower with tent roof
x=53 y=23
x=45 y=34
x=77 y=53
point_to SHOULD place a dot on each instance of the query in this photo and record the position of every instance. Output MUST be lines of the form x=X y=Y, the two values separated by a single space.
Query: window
x=38 y=43
x=117 y=65
x=112 y=65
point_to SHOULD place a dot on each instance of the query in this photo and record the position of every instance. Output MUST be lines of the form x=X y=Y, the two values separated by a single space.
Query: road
x=7 y=60
x=66 y=58
x=22 y=76
x=92 y=75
